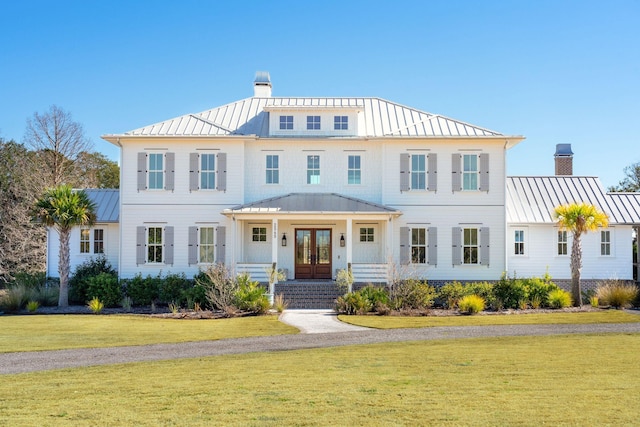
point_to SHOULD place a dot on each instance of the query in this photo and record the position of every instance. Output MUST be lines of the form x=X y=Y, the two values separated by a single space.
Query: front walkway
x=317 y=321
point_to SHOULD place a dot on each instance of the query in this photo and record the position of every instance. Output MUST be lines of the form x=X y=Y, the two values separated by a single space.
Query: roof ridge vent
x=262 y=85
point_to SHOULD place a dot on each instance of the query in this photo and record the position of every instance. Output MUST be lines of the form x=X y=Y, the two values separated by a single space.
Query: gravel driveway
x=11 y=363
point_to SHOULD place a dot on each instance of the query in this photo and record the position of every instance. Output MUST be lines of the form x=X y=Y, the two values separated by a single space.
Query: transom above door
x=313 y=253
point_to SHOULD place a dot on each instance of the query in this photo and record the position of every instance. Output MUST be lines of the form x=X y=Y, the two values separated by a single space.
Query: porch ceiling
x=312 y=203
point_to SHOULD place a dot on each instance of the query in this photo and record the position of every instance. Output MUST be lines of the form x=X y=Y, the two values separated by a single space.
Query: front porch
x=312 y=236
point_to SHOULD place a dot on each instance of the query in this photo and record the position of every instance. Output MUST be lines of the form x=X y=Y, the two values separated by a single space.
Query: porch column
x=637 y=229
x=236 y=246
x=273 y=279
x=388 y=248
x=349 y=248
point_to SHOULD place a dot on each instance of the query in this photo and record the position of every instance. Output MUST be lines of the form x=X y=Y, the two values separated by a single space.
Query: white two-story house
x=314 y=185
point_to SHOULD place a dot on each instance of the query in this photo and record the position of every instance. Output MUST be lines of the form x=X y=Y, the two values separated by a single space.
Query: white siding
x=111 y=248
x=541 y=254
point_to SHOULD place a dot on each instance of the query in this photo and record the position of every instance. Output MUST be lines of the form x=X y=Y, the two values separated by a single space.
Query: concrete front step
x=309 y=295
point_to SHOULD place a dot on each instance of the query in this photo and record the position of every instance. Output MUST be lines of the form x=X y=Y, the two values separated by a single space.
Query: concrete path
x=317 y=321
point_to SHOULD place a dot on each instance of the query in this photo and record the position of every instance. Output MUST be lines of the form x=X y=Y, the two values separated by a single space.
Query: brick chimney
x=564 y=159
x=262 y=85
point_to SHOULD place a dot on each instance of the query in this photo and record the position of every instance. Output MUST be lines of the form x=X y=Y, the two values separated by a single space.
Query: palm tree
x=63 y=208
x=578 y=218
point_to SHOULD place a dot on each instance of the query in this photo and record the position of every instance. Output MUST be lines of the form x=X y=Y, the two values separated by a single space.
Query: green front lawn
x=525 y=381
x=392 y=322
x=49 y=332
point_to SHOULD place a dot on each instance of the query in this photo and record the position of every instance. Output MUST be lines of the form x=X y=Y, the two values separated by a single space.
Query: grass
x=517 y=381
x=40 y=332
x=393 y=322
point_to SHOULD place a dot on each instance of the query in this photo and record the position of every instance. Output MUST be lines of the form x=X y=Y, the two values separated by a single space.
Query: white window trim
x=162 y=245
x=162 y=171
x=286 y=129
x=266 y=235
x=478 y=246
x=524 y=241
x=354 y=169
x=267 y=169
x=557 y=243
x=425 y=172
x=373 y=235
x=425 y=245
x=307 y=169
x=200 y=244
x=611 y=246
x=208 y=171
x=464 y=173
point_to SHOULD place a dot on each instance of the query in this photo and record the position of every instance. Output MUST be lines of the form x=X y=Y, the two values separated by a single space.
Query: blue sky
x=553 y=71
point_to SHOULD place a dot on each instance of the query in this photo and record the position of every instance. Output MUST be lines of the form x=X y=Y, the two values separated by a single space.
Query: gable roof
x=532 y=200
x=315 y=203
x=248 y=117
x=107 y=204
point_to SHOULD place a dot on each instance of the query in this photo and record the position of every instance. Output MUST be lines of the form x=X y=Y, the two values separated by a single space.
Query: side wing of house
x=535 y=245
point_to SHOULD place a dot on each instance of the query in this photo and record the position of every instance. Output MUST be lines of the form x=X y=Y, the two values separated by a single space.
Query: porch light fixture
x=342 y=242
x=284 y=239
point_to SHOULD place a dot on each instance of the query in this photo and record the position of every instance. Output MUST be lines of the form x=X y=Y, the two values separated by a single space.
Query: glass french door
x=313 y=253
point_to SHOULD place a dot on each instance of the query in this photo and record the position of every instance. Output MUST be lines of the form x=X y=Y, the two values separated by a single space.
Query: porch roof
x=312 y=203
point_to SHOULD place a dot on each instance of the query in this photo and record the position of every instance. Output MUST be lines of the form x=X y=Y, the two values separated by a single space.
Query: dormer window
x=340 y=122
x=313 y=122
x=286 y=122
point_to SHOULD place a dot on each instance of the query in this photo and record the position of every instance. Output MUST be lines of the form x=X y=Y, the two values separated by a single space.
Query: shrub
x=471 y=304
x=126 y=303
x=194 y=295
x=47 y=296
x=143 y=291
x=538 y=289
x=79 y=281
x=279 y=303
x=30 y=280
x=559 y=298
x=411 y=294
x=106 y=288
x=32 y=306
x=483 y=290
x=15 y=298
x=375 y=295
x=250 y=296
x=450 y=293
x=509 y=292
x=95 y=305
x=353 y=303
x=616 y=294
x=219 y=287
x=172 y=289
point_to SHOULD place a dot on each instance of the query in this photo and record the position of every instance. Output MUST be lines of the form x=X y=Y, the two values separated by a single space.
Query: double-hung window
x=98 y=241
x=518 y=242
x=470 y=172
x=340 y=122
x=354 y=173
x=207 y=245
x=156 y=171
x=563 y=242
x=313 y=169
x=470 y=246
x=154 y=244
x=605 y=242
x=272 y=169
x=208 y=171
x=419 y=245
x=418 y=172
x=313 y=122
x=286 y=122
x=85 y=240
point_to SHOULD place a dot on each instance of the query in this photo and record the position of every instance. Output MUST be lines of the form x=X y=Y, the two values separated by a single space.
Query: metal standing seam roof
x=107 y=204
x=532 y=200
x=248 y=117
x=312 y=203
